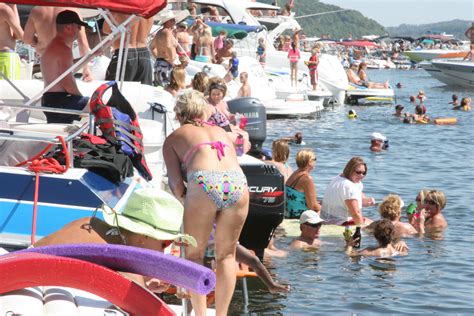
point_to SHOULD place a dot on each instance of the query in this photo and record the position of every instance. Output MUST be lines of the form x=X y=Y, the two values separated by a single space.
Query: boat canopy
x=359 y=43
x=144 y=8
x=238 y=31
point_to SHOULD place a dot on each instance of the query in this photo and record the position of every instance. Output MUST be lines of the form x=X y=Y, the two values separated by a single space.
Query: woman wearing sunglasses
x=343 y=199
x=430 y=219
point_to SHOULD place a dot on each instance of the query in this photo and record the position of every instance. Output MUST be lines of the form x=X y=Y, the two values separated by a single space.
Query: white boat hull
x=282 y=108
x=453 y=72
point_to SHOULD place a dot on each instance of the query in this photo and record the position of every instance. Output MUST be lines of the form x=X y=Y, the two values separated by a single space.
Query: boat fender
x=446 y=120
x=22 y=270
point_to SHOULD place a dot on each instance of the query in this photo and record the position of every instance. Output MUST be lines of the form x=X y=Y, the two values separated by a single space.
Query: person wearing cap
x=40 y=29
x=310 y=225
x=163 y=48
x=378 y=142
x=57 y=58
x=10 y=32
x=139 y=63
x=398 y=110
x=151 y=219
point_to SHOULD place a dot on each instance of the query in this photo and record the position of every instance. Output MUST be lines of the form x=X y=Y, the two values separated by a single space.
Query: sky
x=396 y=12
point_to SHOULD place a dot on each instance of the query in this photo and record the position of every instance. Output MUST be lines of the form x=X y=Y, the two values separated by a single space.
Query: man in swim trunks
x=164 y=49
x=139 y=65
x=10 y=31
x=40 y=29
x=56 y=59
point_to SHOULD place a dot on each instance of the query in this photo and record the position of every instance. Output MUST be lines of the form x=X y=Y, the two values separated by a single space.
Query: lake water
x=438 y=275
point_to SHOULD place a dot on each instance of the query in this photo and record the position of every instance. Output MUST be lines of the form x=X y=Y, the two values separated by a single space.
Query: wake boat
x=453 y=72
x=429 y=54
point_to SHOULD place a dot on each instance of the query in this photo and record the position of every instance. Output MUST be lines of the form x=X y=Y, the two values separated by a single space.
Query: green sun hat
x=151 y=212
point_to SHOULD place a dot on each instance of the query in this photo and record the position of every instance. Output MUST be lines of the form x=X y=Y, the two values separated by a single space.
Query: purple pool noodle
x=142 y=261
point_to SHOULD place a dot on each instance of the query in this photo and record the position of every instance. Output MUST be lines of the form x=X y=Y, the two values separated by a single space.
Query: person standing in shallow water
x=216 y=191
x=344 y=197
x=301 y=192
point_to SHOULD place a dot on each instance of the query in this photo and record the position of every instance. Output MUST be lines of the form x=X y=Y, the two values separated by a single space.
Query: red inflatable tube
x=18 y=271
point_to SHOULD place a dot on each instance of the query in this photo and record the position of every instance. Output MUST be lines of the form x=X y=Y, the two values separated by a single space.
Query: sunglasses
x=418 y=199
x=361 y=173
x=431 y=202
x=313 y=225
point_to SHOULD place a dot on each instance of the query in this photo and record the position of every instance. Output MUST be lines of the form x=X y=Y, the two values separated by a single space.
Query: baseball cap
x=378 y=136
x=310 y=217
x=70 y=17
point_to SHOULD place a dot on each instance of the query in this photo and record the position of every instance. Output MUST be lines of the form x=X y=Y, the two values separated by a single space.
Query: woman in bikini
x=216 y=191
x=219 y=113
x=300 y=188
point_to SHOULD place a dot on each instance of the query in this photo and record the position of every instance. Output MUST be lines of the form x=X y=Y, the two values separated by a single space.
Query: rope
x=39 y=165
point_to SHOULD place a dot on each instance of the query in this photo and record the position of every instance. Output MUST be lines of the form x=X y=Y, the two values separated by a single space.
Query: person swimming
x=383 y=232
x=378 y=142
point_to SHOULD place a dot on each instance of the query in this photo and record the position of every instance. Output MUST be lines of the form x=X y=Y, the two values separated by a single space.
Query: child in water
x=421 y=96
x=455 y=102
x=383 y=233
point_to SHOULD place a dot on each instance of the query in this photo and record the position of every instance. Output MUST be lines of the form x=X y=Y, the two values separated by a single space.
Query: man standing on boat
x=40 y=29
x=10 y=31
x=139 y=65
x=56 y=59
x=164 y=49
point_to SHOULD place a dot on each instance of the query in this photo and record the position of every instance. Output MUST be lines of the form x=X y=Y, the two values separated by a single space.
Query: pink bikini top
x=218 y=146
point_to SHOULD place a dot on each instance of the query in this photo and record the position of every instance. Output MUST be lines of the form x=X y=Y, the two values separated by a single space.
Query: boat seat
x=13 y=152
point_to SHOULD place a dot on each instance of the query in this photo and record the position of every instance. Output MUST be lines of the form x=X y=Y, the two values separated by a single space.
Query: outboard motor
x=266 y=207
x=256 y=115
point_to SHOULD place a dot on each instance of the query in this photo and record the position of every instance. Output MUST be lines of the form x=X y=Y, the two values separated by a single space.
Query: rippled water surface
x=438 y=275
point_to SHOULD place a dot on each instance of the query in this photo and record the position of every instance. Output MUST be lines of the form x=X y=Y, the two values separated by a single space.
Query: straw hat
x=167 y=16
x=150 y=212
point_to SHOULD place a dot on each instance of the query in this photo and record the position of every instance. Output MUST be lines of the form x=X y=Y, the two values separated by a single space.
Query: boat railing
x=10 y=133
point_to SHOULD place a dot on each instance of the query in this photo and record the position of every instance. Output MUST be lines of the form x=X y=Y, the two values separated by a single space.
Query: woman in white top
x=343 y=198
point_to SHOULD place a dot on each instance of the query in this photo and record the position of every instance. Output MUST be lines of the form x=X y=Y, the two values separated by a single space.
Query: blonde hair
x=423 y=194
x=390 y=207
x=280 y=150
x=178 y=79
x=438 y=197
x=199 y=82
x=303 y=157
x=352 y=164
x=190 y=106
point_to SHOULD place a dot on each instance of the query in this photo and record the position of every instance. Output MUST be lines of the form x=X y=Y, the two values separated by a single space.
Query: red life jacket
x=119 y=125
